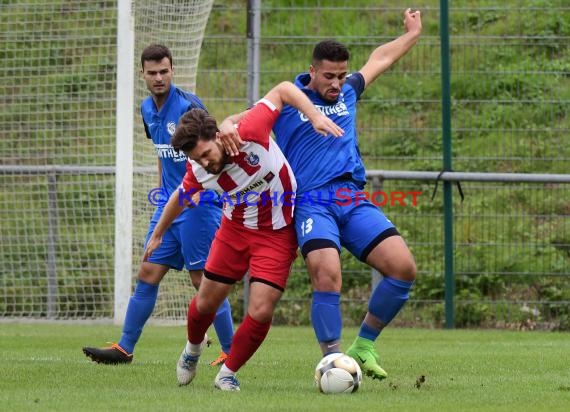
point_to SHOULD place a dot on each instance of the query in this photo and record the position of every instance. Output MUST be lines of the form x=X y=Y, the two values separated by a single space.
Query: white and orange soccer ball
x=338 y=373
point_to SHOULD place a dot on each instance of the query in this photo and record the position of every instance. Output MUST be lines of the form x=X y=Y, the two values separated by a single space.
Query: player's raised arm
x=287 y=93
x=387 y=54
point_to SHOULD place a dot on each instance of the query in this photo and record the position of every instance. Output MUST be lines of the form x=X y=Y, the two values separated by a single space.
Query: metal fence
x=509 y=103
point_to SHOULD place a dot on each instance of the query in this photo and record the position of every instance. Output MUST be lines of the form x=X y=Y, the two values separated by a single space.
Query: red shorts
x=268 y=254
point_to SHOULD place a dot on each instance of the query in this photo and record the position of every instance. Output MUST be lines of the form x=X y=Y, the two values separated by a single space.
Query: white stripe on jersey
x=245 y=203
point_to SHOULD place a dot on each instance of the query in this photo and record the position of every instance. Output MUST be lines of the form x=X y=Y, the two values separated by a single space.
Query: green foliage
x=510 y=86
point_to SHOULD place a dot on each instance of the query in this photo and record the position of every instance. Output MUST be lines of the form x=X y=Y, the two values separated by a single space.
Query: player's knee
x=326 y=283
x=196 y=278
x=261 y=309
x=205 y=306
x=324 y=269
x=151 y=273
x=325 y=278
x=261 y=314
x=406 y=270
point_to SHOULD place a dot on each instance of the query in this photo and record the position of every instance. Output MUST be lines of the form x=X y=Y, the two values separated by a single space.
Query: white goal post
x=124 y=160
x=75 y=165
x=180 y=25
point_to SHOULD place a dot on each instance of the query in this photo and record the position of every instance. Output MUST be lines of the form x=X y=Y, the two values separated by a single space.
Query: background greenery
x=510 y=86
x=510 y=104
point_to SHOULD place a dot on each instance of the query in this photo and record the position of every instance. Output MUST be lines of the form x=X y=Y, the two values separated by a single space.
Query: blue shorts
x=335 y=214
x=187 y=241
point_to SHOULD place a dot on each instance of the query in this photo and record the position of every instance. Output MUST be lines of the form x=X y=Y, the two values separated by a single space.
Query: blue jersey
x=317 y=160
x=159 y=126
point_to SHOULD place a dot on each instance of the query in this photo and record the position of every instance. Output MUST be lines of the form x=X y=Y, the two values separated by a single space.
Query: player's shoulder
x=356 y=82
x=265 y=106
x=188 y=98
x=263 y=112
x=147 y=107
x=147 y=103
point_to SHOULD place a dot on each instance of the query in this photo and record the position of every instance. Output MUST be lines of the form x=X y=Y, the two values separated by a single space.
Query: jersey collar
x=164 y=108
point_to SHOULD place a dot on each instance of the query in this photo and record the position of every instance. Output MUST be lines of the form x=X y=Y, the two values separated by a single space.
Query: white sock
x=224 y=370
x=193 y=349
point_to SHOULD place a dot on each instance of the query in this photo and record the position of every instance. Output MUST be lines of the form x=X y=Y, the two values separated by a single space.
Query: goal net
x=57 y=151
x=180 y=26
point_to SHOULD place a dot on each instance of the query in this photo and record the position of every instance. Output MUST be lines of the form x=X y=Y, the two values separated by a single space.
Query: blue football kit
x=329 y=208
x=199 y=223
x=187 y=240
x=329 y=212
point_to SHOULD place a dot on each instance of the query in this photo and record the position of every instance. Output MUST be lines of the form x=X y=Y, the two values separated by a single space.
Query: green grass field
x=43 y=368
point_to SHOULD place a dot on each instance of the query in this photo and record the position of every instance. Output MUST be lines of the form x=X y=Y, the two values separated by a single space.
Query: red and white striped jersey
x=257 y=187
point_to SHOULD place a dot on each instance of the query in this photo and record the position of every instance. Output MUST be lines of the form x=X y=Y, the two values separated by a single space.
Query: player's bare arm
x=387 y=54
x=287 y=93
x=282 y=94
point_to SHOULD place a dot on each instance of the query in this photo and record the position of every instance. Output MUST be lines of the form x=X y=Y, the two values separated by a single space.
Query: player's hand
x=229 y=137
x=412 y=20
x=325 y=126
x=153 y=243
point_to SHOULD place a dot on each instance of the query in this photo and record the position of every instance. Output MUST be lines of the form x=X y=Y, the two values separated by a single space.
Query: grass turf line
x=43 y=368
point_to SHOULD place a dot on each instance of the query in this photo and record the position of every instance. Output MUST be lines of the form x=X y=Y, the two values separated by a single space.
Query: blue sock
x=368 y=332
x=140 y=307
x=224 y=325
x=387 y=300
x=326 y=316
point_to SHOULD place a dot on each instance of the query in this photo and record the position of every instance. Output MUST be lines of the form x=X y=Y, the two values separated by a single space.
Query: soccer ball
x=338 y=373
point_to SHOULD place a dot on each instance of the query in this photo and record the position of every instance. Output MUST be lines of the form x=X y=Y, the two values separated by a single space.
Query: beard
x=214 y=170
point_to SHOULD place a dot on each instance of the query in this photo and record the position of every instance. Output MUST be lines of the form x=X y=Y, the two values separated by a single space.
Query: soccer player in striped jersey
x=160 y=112
x=257 y=187
x=334 y=166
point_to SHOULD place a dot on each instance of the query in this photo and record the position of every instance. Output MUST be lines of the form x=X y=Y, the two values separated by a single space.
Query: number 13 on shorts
x=306 y=226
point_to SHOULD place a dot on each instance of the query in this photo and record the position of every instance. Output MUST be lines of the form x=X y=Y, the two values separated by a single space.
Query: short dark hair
x=194 y=125
x=331 y=50
x=156 y=52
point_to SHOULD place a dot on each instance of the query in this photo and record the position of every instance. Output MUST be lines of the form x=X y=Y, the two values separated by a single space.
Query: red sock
x=246 y=341
x=198 y=323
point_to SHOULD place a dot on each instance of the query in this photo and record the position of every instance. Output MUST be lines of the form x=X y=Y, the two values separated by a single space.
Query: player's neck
x=310 y=86
x=159 y=100
x=313 y=88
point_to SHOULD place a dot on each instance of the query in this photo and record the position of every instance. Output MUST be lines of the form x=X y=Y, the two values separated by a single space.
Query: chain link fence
x=510 y=101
